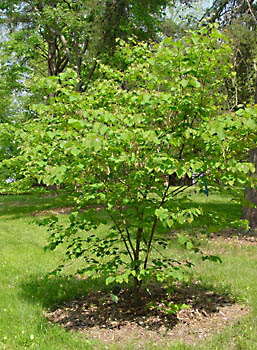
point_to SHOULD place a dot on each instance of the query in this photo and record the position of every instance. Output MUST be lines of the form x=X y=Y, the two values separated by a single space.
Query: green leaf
x=75 y=150
x=221 y=133
x=114 y=298
x=181 y=239
x=162 y=214
x=195 y=83
x=97 y=144
x=170 y=223
x=119 y=279
x=110 y=280
x=189 y=245
x=76 y=124
x=184 y=83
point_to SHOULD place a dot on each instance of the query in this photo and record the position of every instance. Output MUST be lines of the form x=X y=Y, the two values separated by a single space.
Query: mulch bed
x=98 y=316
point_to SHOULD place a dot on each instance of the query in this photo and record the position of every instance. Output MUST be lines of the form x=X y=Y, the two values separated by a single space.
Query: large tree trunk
x=250 y=213
x=251 y=193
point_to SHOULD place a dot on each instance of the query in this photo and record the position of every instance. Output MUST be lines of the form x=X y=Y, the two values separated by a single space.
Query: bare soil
x=54 y=211
x=236 y=234
x=99 y=316
x=65 y=210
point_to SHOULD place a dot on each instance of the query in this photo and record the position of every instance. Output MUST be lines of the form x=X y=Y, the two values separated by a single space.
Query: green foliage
x=48 y=37
x=242 y=88
x=9 y=89
x=115 y=147
x=239 y=21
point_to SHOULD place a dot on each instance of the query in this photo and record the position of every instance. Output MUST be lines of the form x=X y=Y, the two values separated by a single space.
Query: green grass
x=237 y=276
x=25 y=292
x=20 y=206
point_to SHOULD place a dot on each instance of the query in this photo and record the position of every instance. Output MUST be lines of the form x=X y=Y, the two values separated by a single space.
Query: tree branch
x=154 y=227
x=122 y=236
x=90 y=75
x=251 y=10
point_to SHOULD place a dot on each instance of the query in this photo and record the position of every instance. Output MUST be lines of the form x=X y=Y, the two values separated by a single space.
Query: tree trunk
x=255 y=92
x=251 y=193
x=250 y=213
x=136 y=292
x=52 y=43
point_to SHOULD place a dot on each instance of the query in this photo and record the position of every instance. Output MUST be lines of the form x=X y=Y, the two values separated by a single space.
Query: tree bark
x=136 y=291
x=250 y=213
x=52 y=57
x=255 y=92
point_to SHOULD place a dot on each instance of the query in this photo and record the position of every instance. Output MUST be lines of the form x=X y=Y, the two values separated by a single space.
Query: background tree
x=239 y=19
x=249 y=211
x=62 y=34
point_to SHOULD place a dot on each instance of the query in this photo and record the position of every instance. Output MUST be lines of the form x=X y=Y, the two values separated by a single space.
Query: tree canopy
x=115 y=147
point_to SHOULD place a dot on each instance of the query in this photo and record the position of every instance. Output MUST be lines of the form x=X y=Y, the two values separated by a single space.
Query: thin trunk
x=136 y=291
x=93 y=68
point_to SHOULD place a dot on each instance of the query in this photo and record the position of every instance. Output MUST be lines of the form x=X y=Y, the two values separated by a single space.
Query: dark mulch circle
x=100 y=316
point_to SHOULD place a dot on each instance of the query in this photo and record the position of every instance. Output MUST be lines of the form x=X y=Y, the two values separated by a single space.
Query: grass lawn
x=25 y=292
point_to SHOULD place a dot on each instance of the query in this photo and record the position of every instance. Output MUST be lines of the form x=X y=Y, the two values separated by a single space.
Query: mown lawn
x=25 y=292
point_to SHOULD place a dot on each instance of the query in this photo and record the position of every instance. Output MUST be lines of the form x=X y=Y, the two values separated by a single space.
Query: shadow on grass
x=226 y=209
x=230 y=210
x=51 y=292
x=220 y=215
x=227 y=212
x=19 y=206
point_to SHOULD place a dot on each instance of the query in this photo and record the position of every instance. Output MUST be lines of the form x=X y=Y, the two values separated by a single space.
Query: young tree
x=115 y=146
